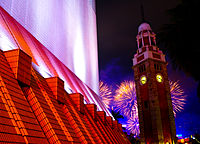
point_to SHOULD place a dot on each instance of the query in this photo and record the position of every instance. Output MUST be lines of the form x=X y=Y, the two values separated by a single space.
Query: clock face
x=143 y=80
x=159 y=78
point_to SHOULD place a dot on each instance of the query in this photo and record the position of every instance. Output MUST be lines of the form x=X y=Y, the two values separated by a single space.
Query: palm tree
x=116 y=115
x=181 y=39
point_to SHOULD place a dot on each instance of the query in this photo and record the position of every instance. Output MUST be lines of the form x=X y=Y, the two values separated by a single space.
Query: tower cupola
x=144 y=26
x=146 y=43
x=145 y=36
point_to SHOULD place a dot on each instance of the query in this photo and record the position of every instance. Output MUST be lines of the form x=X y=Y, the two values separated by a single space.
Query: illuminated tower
x=153 y=92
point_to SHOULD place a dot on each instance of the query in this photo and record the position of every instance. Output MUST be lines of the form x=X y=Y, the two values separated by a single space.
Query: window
x=146 y=104
x=140 y=43
x=152 y=41
x=157 y=67
x=146 y=40
x=142 y=68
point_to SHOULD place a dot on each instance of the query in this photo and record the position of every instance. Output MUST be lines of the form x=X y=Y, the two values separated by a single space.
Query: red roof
x=34 y=109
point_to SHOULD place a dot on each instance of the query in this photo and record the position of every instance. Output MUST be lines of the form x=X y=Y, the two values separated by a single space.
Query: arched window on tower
x=152 y=41
x=157 y=67
x=142 y=68
x=146 y=40
x=140 y=43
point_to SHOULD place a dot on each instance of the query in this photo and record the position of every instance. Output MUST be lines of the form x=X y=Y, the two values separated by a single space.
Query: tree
x=180 y=39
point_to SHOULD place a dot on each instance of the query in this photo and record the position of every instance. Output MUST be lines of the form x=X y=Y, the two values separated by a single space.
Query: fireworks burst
x=178 y=96
x=125 y=99
x=126 y=103
x=105 y=94
x=133 y=126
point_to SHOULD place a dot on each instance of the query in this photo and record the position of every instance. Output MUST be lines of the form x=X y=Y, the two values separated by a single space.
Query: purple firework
x=125 y=99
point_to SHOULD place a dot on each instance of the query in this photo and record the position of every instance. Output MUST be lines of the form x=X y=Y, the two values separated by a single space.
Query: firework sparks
x=133 y=126
x=178 y=96
x=105 y=94
x=125 y=99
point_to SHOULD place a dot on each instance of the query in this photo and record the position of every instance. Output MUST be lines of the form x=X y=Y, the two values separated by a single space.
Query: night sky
x=117 y=24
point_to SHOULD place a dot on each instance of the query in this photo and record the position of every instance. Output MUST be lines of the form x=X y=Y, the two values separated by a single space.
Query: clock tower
x=153 y=92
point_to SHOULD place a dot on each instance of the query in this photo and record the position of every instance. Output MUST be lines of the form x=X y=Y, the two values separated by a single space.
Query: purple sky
x=117 y=23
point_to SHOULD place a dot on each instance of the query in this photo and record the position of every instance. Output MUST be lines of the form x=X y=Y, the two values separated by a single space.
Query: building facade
x=14 y=36
x=67 y=28
x=155 y=109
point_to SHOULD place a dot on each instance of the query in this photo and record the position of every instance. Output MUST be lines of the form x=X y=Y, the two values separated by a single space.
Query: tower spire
x=142 y=11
